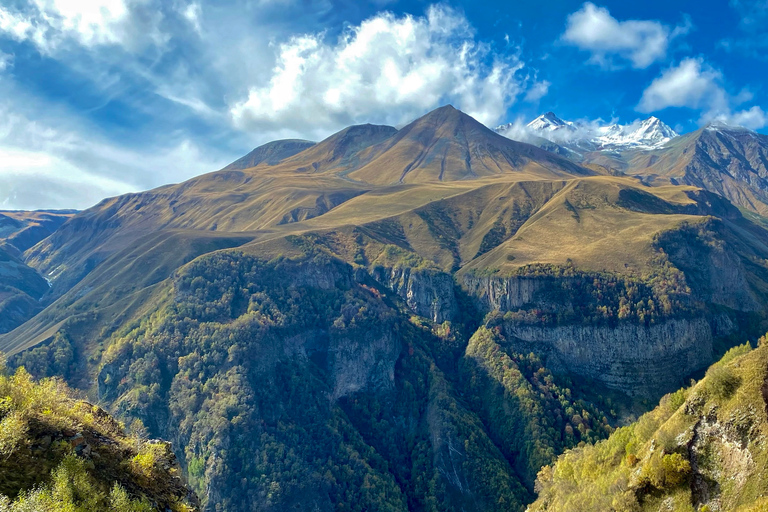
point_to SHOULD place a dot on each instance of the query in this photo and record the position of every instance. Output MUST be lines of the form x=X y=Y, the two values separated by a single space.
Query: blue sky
x=102 y=97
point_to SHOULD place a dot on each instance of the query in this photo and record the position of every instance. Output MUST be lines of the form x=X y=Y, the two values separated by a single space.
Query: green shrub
x=721 y=381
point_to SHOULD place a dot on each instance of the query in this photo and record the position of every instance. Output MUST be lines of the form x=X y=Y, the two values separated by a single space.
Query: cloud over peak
x=640 y=42
x=387 y=69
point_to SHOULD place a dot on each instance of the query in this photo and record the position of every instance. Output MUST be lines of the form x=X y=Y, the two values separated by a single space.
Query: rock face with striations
x=429 y=293
x=503 y=293
x=636 y=359
x=645 y=359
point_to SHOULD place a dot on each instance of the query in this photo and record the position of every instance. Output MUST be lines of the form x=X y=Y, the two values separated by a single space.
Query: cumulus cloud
x=387 y=69
x=641 y=42
x=692 y=83
x=753 y=118
x=696 y=85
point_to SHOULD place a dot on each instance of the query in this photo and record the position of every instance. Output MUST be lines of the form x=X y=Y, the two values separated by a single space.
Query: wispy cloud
x=611 y=42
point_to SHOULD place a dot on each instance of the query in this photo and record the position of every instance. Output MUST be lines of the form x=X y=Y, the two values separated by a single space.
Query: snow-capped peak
x=652 y=131
x=649 y=133
x=549 y=122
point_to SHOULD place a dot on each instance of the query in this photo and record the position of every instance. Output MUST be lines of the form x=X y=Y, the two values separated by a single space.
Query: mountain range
x=418 y=318
x=728 y=160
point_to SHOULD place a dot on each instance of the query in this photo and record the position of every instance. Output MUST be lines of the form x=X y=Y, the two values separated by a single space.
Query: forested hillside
x=58 y=453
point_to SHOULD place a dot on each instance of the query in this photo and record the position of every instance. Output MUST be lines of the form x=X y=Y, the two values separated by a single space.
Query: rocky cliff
x=701 y=449
x=639 y=360
x=429 y=293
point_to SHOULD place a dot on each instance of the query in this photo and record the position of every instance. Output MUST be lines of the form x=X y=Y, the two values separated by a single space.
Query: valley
x=410 y=319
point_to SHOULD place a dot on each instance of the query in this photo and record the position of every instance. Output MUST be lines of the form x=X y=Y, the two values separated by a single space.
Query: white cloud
x=50 y=161
x=696 y=85
x=641 y=42
x=692 y=84
x=6 y=61
x=193 y=14
x=753 y=118
x=537 y=91
x=50 y=24
x=387 y=69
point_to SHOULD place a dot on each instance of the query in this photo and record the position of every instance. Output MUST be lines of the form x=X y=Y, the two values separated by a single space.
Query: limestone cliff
x=429 y=293
x=639 y=360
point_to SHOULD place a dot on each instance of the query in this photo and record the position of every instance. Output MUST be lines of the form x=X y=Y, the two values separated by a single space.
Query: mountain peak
x=649 y=133
x=549 y=122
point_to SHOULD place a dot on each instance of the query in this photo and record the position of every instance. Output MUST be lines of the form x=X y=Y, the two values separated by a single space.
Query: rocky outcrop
x=365 y=362
x=637 y=359
x=429 y=293
x=503 y=293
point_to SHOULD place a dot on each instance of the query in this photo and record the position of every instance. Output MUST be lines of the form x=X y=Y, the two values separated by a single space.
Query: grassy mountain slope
x=731 y=162
x=270 y=153
x=356 y=161
x=447 y=145
x=23 y=229
x=702 y=449
x=58 y=453
x=21 y=288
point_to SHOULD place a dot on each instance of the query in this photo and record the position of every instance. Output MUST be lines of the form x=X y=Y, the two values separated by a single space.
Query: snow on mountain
x=549 y=122
x=650 y=133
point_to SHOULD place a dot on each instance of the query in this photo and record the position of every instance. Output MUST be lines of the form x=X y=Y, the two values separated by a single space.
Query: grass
x=649 y=462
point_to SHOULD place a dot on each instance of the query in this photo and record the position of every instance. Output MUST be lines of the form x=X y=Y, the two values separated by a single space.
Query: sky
x=104 y=97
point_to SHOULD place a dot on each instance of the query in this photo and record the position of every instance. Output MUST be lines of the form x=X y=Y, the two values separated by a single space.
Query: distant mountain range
x=729 y=160
x=579 y=137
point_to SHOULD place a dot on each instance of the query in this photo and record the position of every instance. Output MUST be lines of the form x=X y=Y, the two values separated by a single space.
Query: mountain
x=448 y=145
x=549 y=122
x=443 y=146
x=412 y=319
x=271 y=153
x=21 y=286
x=23 y=229
x=727 y=160
x=21 y=289
x=581 y=138
x=702 y=448
x=60 y=453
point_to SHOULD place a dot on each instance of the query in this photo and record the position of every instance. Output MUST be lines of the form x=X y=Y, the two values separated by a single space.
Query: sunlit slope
x=443 y=146
x=23 y=229
x=729 y=161
x=123 y=287
x=448 y=145
x=702 y=448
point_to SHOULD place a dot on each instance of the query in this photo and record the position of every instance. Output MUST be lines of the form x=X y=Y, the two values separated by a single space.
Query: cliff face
x=503 y=293
x=429 y=293
x=575 y=324
x=638 y=360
